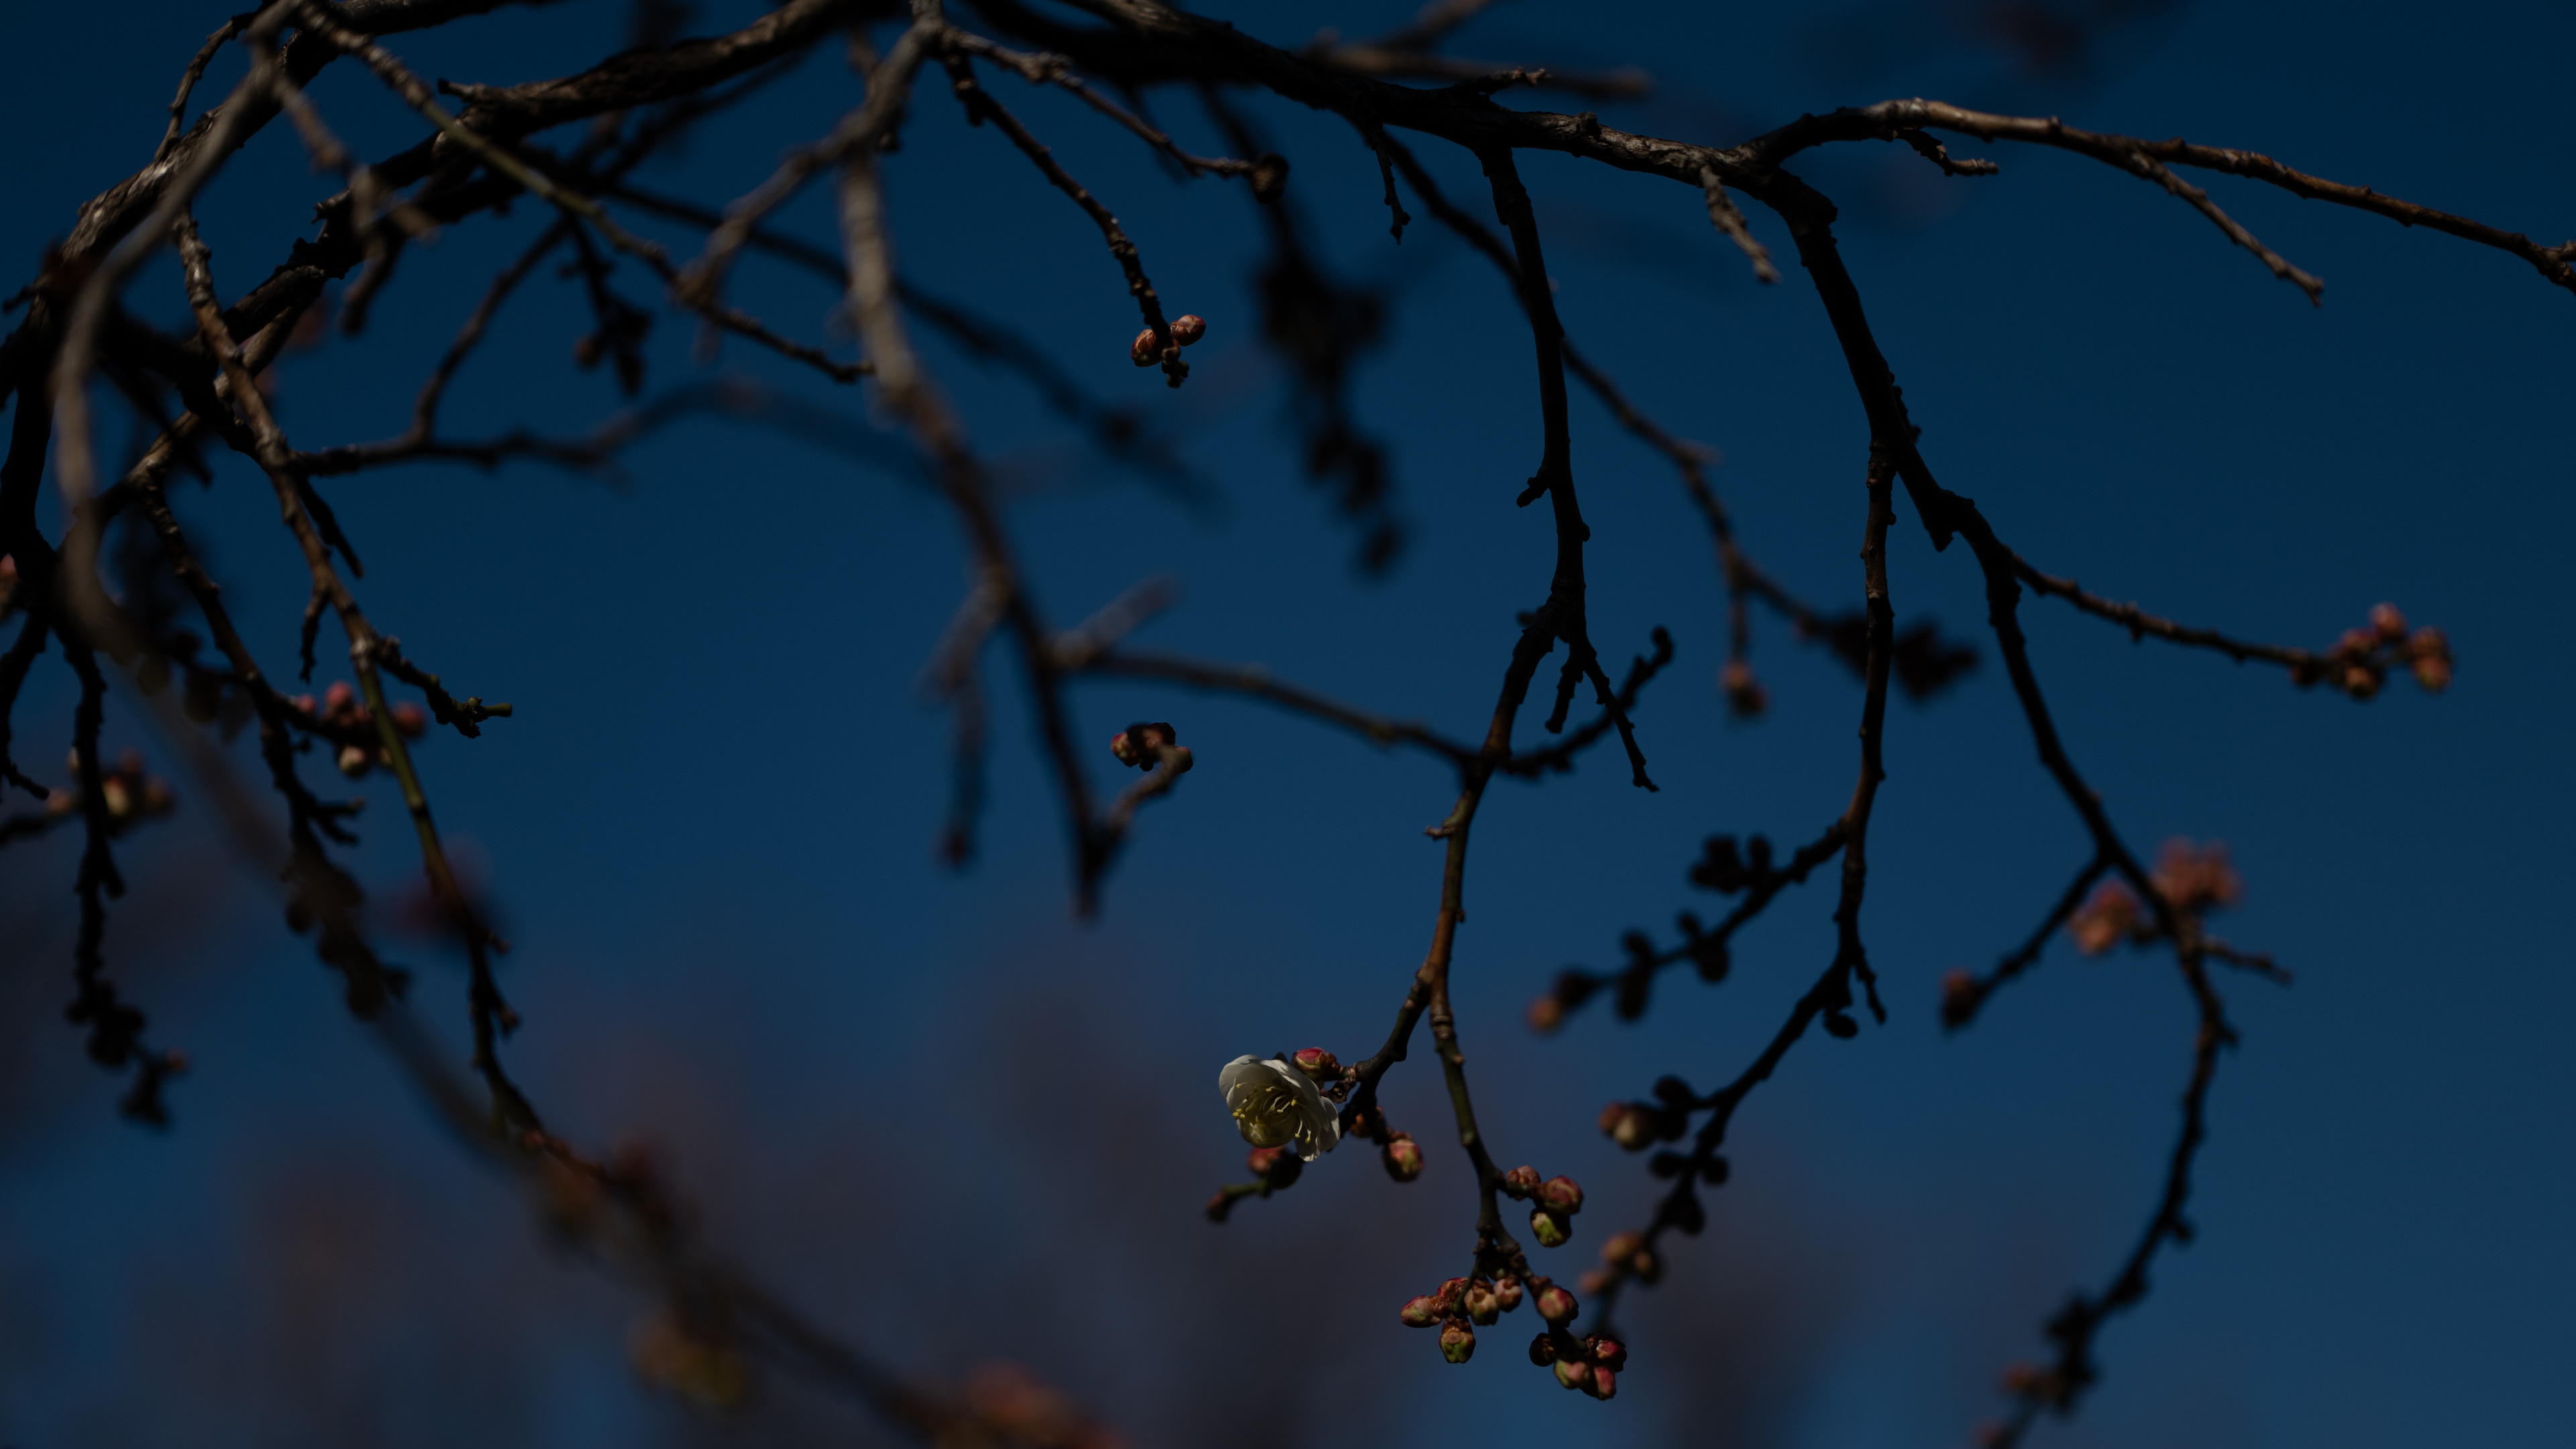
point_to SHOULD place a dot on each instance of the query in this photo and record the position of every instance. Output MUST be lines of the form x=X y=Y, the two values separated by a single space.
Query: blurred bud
x=1507 y=1293
x=1554 y=1230
x=1402 y=1156
x=120 y=800
x=2100 y=923
x=1573 y=1373
x=60 y=802
x=1557 y=1306
x=1560 y=1194
x=586 y=350
x=2433 y=672
x=1146 y=350
x=2197 y=877
x=1595 y=1280
x=1521 y=1181
x=1269 y=177
x=1317 y=1063
x=1278 y=1166
x=338 y=697
x=2357 y=641
x=1621 y=1248
x=1629 y=1124
x=1609 y=1353
x=1421 y=1312
x=410 y=720
x=2023 y=1380
x=1188 y=328
x=2361 y=681
x=2390 y=624
x=1457 y=1342
x=1220 y=1205
x=1961 y=994
x=355 y=762
x=1745 y=696
x=1128 y=751
x=1546 y=1014
x=1604 y=1385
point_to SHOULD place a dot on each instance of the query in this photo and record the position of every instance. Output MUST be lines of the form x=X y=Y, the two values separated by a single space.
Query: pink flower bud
x=1573 y=1373
x=1457 y=1342
x=1520 y=1181
x=1546 y=1014
x=1595 y=1280
x=1278 y=1166
x=2389 y=624
x=1560 y=1194
x=1188 y=328
x=2361 y=681
x=1557 y=1306
x=1507 y=1292
x=355 y=762
x=1127 y=750
x=1554 y=1230
x=1145 y=351
x=1604 y=1385
x=1481 y=1303
x=339 y=696
x=1421 y=1312
x=1403 y=1158
x=2356 y=641
x=1609 y=1353
x=1449 y=1295
x=2433 y=672
x=410 y=720
x=1621 y=1248
x=1318 y=1063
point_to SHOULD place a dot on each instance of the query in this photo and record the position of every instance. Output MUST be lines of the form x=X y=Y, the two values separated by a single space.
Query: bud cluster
x=1143 y=746
x=341 y=717
x=1745 y=696
x=1636 y=1126
x=2109 y=916
x=1557 y=1200
x=1626 y=1255
x=1461 y=1305
x=127 y=790
x=1149 y=349
x=1592 y=1364
x=2192 y=878
x=2360 y=661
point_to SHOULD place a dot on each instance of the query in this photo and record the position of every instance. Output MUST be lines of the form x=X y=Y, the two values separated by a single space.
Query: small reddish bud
x=1629 y=1125
x=1482 y=1304
x=1318 y=1063
x=356 y=762
x=2356 y=641
x=1521 y=1181
x=410 y=720
x=1219 y=1205
x=1745 y=696
x=1188 y=328
x=1457 y=1342
x=1960 y=996
x=1507 y=1292
x=1278 y=1166
x=60 y=802
x=2361 y=681
x=1543 y=1349
x=2023 y=1380
x=2433 y=672
x=2389 y=624
x=1595 y=1280
x=1609 y=1353
x=1450 y=1292
x=1421 y=1312
x=1560 y=1194
x=339 y=696
x=1554 y=1230
x=1127 y=750
x=1546 y=1014
x=1146 y=350
x=1604 y=1385
x=1621 y=1248
x=585 y=351
x=1573 y=1373
x=1557 y=1306
x=1402 y=1156
x=2101 y=922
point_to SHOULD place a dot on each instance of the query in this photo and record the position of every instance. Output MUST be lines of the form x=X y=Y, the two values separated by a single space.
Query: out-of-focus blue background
x=959 y=1127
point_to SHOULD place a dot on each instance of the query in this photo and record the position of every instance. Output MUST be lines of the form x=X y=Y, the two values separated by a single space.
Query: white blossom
x=1275 y=1104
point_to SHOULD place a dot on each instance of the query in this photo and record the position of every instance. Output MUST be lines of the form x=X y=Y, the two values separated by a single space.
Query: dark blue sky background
x=957 y=1126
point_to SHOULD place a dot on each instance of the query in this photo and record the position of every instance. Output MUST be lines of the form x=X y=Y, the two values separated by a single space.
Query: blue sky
x=957 y=1125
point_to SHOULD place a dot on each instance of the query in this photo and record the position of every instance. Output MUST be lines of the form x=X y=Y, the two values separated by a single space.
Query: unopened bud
x=1573 y=1373
x=1482 y=1304
x=1609 y=1353
x=2360 y=681
x=120 y=800
x=1278 y=1166
x=1127 y=750
x=1403 y=1158
x=1554 y=1230
x=355 y=762
x=1219 y=1205
x=60 y=802
x=1450 y=1294
x=1560 y=1194
x=1188 y=328
x=1146 y=350
x=1521 y=1181
x=2433 y=672
x=1622 y=1247
x=1543 y=1349
x=1595 y=1280
x=2390 y=624
x=1557 y=1306
x=1604 y=1385
x=585 y=351
x=1420 y=1312
x=1507 y=1293
x=339 y=696
x=1318 y=1063
x=1457 y=1342
x=2356 y=641
x=1629 y=1125
x=410 y=720
x=1960 y=996
x=1546 y=1014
